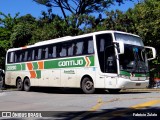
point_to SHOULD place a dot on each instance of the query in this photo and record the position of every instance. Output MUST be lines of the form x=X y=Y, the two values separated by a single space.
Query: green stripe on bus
x=60 y=63
x=35 y=65
x=38 y=72
x=135 y=74
x=92 y=60
x=67 y=63
x=23 y=66
x=14 y=67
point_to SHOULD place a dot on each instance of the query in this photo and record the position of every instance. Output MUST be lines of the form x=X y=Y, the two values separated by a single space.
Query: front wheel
x=87 y=85
x=27 y=84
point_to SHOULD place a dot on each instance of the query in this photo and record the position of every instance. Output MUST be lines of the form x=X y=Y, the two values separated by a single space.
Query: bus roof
x=61 y=39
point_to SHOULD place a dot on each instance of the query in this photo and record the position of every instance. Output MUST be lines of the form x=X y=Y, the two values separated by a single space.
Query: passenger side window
x=10 y=57
x=79 y=47
x=36 y=54
x=71 y=49
x=54 y=54
x=63 y=52
x=22 y=56
x=90 y=47
x=44 y=52
x=25 y=56
x=29 y=56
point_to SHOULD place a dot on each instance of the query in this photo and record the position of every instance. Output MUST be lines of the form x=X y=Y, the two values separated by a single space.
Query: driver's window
x=111 y=66
x=106 y=53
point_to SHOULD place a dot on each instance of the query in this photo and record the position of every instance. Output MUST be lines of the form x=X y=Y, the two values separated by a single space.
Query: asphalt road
x=54 y=103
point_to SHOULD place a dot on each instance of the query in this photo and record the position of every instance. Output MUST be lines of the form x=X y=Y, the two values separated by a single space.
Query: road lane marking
x=98 y=105
x=100 y=102
x=94 y=108
x=146 y=104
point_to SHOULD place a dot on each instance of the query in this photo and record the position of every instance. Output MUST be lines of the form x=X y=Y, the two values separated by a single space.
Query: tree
x=55 y=29
x=7 y=21
x=4 y=45
x=22 y=31
x=6 y=24
x=78 y=7
x=21 y=35
x=26 y=18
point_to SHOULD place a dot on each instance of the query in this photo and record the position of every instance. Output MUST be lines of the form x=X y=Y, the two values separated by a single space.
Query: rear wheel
x=87 y=85
x=114 y=90
x=27 y=84
x=19 y=84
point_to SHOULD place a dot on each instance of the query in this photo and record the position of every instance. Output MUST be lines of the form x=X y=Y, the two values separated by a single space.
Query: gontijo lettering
x=70 y=63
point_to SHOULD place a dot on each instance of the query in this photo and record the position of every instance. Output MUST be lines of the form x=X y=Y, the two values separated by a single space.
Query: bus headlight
x=124 y=76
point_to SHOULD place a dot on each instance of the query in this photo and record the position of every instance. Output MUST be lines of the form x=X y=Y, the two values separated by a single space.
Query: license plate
x=138 y=84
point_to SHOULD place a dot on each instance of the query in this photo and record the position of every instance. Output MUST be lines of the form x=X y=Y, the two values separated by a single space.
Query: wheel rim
x=88 y=85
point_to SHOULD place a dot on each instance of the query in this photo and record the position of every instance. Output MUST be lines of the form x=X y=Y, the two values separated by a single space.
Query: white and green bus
x=111 y=60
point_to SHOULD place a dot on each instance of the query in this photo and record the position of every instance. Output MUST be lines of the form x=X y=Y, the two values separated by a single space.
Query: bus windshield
x=134 y=59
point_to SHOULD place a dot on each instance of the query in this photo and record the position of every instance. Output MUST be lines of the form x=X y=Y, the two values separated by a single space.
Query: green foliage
x=7 y=21
x=4 y=45
x=21 y=35
x=57 y=28
x=6 y=25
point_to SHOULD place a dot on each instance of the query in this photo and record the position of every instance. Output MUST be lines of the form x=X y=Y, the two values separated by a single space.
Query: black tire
x=27 y=85
x=87 y=85
x=114 y=91
x=19 y=84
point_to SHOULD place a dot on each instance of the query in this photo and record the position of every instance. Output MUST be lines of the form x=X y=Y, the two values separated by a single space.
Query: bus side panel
x=72 y=77
x=69 y=77
x=86 y=71
x=54 y=78
x=8 y=78
x=50 y=77
x=99 y=81
x=44 y=78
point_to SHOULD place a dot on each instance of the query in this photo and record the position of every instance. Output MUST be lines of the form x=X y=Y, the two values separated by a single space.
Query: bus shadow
x=55 y=90
x=52 y=90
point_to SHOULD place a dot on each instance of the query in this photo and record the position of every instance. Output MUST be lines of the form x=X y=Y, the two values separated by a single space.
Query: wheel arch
x=84 y=77
x=26 y=77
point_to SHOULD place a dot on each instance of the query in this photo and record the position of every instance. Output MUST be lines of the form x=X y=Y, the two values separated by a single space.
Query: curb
x=149 y=89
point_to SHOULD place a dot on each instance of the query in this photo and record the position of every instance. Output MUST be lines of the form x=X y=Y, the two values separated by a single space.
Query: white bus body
x=110 y=60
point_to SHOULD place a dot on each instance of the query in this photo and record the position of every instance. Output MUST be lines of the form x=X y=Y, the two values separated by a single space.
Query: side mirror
x=153 y=52
x=120 y=47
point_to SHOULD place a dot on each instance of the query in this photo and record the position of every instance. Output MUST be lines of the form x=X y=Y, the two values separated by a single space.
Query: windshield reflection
x=133 y=60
